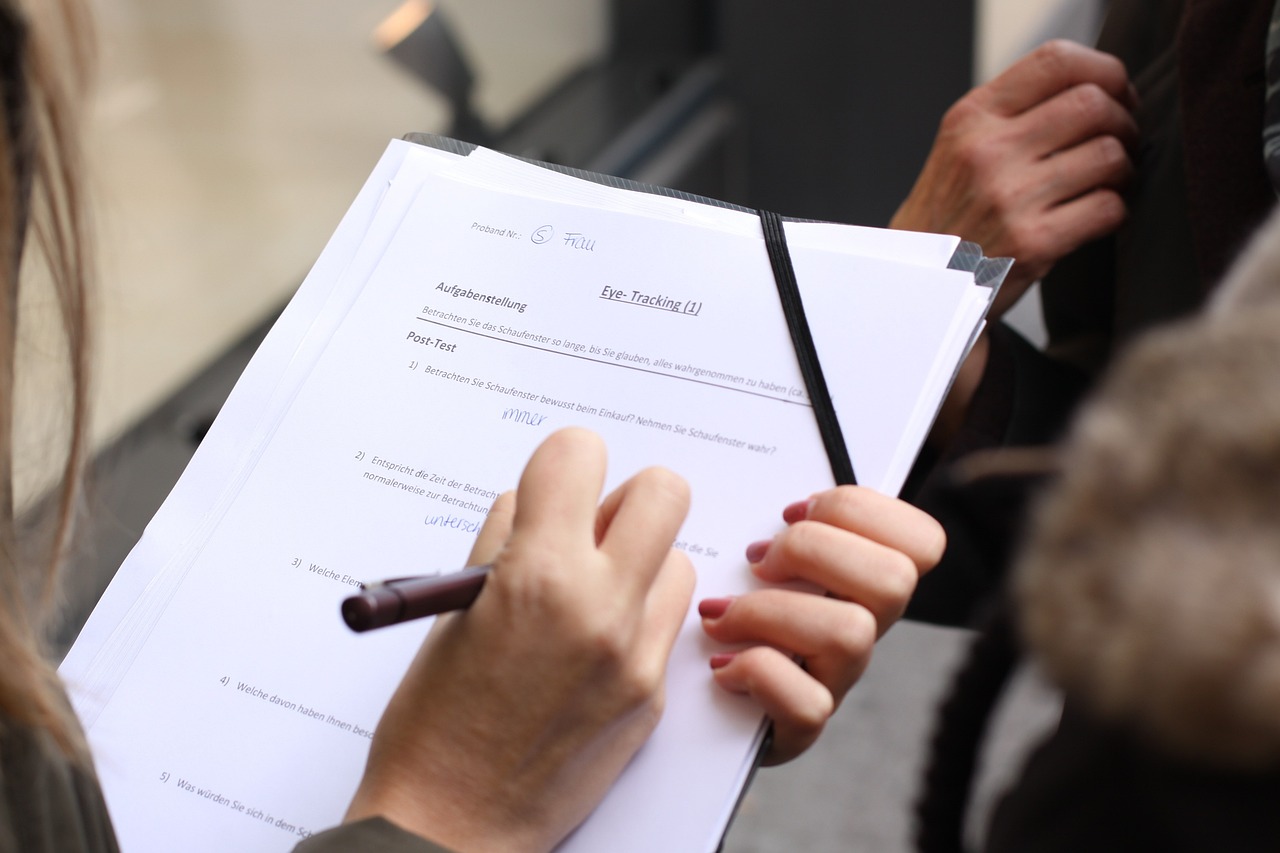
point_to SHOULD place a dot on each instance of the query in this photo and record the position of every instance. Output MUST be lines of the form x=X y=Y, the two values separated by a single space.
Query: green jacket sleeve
x=48 y=804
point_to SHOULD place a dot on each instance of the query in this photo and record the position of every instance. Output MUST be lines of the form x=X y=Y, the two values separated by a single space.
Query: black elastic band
x=775 y=241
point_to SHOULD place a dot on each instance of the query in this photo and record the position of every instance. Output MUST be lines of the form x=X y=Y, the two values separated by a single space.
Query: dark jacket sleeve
x=374 y=835
x=1102 y=788
x=1023 y=400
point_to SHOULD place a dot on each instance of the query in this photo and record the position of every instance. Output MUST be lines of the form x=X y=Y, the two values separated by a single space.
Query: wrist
x=905 y=218
x=436 y=816
x=955 y=408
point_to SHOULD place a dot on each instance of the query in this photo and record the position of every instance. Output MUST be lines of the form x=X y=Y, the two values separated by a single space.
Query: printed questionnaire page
x=490 y=321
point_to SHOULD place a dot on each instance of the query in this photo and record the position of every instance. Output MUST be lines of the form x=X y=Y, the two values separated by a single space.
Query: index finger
x=496 y=530
x=1051 y=68
x=880 y=518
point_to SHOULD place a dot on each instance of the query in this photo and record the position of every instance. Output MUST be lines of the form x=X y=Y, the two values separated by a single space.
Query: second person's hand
x=804 y=651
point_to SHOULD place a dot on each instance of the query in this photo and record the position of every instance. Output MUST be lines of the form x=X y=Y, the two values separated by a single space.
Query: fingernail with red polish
x=757 y=550
x=797 y=511
x=722 y=660
x=713 y=608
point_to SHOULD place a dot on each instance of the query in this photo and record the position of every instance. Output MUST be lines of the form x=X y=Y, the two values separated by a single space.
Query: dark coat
x=1201 y=189
x=1098 y=783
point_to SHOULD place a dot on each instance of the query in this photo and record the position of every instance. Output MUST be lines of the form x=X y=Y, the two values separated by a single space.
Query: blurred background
x=227 y=138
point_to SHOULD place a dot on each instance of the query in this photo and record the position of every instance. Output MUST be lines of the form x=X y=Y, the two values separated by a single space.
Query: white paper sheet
x=432 y=348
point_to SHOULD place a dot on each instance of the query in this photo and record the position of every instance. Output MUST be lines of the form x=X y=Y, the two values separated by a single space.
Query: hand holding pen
x=573 y=627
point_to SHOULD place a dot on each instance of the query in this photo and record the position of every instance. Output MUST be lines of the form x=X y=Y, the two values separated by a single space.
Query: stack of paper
x=468 y=305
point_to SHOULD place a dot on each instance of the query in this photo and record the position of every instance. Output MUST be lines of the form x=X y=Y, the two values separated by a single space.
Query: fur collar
x=1149 y=587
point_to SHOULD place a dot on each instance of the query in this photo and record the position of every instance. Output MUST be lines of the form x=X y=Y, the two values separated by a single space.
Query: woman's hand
x=866 y=551
x=518 y=714
x=1031 y=164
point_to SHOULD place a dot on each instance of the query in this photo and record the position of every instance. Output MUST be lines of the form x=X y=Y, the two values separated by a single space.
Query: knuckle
x=972 y=140
x=1106 y=69
x=856 y=635
x=611 y=647
x=1065 y=60
x=1004 y=195
x=811 y=717
x=1054 y=57
x=666 y=485
x=504 y=503
x=663 y=479
x=1111 y=210
x=899 y=578
x=752 y=665
x=1110 y=155
x=541 y=580
x=933 y=545
x=1028 y=238
x=1058 y=47
x=1011 y=193
x=649 y=713
x=1091 y=105
x=1103 y=213
x=1115 y=77
x=983 y=156
x=593 y=636
x=847 y=502
x=753 y=661
x=680 y=569
x=960 y=116
x=801 y=541
x=639 y=685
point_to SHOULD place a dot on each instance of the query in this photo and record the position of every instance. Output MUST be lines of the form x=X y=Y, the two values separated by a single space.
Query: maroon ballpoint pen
x=391 y=602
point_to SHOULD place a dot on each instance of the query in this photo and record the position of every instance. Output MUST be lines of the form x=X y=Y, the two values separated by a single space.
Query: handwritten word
x=452 y=522
x=575 y=240
x=520 y=416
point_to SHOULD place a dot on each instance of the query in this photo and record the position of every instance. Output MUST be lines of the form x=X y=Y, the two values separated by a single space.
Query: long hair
x=43 y=70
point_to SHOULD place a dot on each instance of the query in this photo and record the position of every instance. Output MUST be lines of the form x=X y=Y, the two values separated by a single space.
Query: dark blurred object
x=838 y=102
x=814 y=109
x=650 y=108
x=418 y=36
